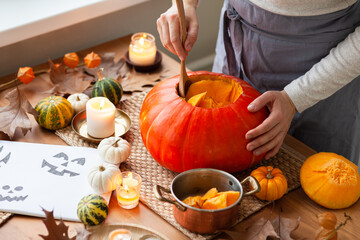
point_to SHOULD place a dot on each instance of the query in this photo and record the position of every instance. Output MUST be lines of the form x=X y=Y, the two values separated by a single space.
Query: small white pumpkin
x=114 y=150
x=78 y=101
x=102 y=177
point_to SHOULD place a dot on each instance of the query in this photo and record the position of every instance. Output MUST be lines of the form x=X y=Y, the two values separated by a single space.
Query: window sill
x=34 y=18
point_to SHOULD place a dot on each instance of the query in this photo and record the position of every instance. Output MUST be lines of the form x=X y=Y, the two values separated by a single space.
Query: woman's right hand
x=168 y=26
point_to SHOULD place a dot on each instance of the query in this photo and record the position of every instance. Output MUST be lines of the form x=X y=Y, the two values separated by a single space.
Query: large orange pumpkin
x=181 y=136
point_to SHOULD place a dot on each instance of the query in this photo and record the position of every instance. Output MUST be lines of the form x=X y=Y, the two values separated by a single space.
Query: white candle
x=142 y=49
x=100 y=117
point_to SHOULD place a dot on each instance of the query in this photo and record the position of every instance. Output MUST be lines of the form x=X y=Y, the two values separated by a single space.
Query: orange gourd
x=272 y=182
x=25 y=74
x=92 y=60
x=330 y=180
x=71 y=60
x=204 y=132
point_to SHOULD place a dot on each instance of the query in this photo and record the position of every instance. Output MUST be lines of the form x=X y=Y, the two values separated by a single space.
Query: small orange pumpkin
x=272 y=182
x=92 y=60
x=71 y=60
x=330 y=180
x=25 y=74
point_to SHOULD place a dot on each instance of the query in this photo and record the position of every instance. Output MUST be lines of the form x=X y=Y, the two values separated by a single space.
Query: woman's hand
x=168 y=26
x=270 y=134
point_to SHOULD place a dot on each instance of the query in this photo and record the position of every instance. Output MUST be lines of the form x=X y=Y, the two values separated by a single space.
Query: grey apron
x=270 y=50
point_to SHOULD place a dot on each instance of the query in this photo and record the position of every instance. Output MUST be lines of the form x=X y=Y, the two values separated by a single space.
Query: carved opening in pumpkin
x=340 y=172
x=210 y=92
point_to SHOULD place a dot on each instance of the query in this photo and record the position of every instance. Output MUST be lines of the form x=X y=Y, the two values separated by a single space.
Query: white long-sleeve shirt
x=334 y=71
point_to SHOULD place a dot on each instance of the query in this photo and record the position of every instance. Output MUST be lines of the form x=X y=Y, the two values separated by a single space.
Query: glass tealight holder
x=128 y=186
x=142 y=49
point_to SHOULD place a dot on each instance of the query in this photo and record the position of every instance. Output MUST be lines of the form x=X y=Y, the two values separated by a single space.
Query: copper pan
x=197 y=182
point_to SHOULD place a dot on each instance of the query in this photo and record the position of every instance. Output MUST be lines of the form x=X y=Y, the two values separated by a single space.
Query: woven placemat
x=4 y=216
x=141 y=162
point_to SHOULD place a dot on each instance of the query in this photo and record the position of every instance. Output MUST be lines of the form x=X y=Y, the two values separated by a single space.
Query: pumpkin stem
x=115 y=143
x=101 y=168
x=269 y=175
x=77 y=98
x=99 y=74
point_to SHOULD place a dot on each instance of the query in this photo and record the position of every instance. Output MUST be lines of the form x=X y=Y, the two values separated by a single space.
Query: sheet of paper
x=53 y=177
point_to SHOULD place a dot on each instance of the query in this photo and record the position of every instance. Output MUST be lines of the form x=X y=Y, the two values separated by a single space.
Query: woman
x=303 y=55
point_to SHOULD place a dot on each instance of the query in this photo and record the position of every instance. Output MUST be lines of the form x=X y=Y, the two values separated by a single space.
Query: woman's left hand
x=269 y=135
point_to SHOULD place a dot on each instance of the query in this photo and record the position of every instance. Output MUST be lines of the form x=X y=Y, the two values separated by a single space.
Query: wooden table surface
x=293 y=205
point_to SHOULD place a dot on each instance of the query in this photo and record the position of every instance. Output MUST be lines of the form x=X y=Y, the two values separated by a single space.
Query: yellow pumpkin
x=330 y=180
x=272 y=182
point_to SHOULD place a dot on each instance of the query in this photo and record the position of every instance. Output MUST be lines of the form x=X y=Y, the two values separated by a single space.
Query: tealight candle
x=100 y=117
x=128 y=186
x=142 y=49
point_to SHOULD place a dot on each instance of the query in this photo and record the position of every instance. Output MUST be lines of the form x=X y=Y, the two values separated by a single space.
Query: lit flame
x=142 y=41
x=102 y=103
x=130 y=175
x=126 y=188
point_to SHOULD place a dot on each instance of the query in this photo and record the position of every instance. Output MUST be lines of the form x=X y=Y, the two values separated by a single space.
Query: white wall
x=83 y=35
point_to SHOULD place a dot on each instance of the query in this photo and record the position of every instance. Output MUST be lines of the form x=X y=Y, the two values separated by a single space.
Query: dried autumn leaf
x=55 y=231
x=14 y=115
x=67 y=82
x=82 y=234
x=25 y=74
x=111 y=68
x=261 y=229
x=285 y=226
x=137 y=82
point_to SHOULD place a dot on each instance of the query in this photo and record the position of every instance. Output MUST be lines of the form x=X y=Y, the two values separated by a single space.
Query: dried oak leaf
x=82 y=234
x=55 y=231
x=285 y=226
x=14 y=115
x=67 y=81
x=137 y=82
x=111 y=68
x=260 y=230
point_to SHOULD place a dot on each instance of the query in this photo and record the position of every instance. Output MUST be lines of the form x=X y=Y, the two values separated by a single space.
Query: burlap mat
x=141 y=162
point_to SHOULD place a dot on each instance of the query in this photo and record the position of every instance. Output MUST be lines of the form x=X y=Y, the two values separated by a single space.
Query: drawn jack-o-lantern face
x=8 y=193
x=60 y=165
x=4 y=158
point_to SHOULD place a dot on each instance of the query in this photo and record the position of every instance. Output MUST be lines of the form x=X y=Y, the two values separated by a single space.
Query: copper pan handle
x=254 y=184
x=158 y=194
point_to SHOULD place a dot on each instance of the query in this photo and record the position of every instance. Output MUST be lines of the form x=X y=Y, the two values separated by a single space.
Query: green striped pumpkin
x=92 y=209
x=54 y=112
x=109 y=88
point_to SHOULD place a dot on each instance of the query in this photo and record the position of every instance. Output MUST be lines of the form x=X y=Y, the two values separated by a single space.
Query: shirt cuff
x=299 y=99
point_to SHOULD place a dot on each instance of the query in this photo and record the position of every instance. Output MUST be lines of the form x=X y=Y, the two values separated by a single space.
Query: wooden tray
x=137 y=232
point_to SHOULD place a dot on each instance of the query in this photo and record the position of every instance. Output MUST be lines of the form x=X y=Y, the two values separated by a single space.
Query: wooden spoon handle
x=181 y=11
x=182 y=80
x=183 y=75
